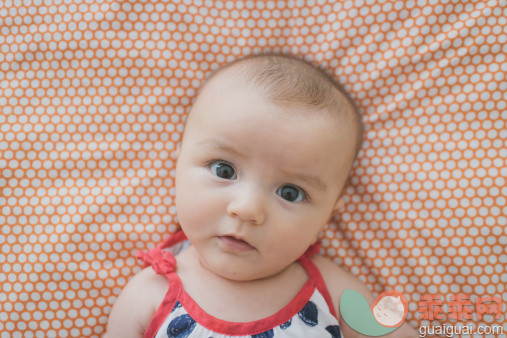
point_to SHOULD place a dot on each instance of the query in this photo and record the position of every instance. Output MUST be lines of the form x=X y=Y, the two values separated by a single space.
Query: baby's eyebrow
x=216 y=145
x=311 y=180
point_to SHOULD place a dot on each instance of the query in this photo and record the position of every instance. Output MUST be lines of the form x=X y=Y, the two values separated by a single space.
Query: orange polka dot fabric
x=94 y=94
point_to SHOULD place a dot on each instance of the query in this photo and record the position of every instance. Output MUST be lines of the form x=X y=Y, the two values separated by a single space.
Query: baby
x=265 y=155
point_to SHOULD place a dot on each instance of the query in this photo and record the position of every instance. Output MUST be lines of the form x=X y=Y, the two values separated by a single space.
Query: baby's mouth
x=235 y=243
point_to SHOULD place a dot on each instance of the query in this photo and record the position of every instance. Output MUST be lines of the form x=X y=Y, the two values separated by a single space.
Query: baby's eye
x=291 y=193
x=223 y=170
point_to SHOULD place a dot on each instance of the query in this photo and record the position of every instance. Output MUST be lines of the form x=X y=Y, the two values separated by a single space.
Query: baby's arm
x=337 y=280
x=133 y=310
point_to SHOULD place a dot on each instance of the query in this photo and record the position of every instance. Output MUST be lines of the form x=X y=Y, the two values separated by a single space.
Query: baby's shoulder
x=148 y=284
x=133 y=310
x=337 y=279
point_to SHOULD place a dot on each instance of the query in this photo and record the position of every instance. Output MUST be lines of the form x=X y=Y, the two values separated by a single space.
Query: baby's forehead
x=284 y=90
x=233 y=83
x=290 y=84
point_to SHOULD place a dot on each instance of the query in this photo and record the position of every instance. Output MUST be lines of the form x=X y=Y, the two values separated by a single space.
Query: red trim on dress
x=315 y=274
x=164 y=308
x=248 y=328
x=164 y=263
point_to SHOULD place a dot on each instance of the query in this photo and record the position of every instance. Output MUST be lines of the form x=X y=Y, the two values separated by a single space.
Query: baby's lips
x=235 y=243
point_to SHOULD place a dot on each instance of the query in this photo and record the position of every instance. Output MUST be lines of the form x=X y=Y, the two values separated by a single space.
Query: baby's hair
x=287 y=80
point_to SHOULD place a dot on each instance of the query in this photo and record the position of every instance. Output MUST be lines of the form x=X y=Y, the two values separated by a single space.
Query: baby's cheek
x=197 y=205
x=186 y=206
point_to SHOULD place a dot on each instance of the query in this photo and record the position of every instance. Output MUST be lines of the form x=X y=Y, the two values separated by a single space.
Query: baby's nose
x=248 y=205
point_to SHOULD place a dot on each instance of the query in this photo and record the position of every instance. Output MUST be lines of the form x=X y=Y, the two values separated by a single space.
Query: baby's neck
x=227 y=297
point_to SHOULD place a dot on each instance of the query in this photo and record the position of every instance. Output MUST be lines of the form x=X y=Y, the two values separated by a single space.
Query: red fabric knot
x=163 y=262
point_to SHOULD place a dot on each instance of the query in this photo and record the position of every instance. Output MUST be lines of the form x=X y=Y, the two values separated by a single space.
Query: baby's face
x=255 y=182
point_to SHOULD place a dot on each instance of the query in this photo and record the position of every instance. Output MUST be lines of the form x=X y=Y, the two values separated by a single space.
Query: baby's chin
x=232 y=272
x=239 y=276
x=247 y=274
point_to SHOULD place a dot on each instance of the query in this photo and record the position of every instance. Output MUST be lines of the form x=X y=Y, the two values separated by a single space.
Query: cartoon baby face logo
x=390 y=308
x=386 y=314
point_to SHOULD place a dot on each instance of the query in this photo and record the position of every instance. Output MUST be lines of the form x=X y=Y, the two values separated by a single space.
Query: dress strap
x=174 y=239
x=312 y=249
x=313 y=272
x=163 y=263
